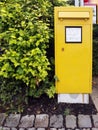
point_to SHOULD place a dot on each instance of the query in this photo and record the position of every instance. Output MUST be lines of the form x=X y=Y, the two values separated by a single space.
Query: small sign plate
x=73 y=34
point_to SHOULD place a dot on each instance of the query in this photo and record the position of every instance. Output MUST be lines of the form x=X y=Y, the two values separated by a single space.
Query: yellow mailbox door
x=73 y=49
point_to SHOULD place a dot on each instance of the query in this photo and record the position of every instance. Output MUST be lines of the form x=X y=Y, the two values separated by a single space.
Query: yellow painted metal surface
x=73 y=14
x=73 y=49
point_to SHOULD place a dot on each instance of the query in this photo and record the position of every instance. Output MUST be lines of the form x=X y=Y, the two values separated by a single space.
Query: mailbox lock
x=62 y=49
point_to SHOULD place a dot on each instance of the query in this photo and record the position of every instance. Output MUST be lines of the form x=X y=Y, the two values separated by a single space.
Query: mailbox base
x=73 y=98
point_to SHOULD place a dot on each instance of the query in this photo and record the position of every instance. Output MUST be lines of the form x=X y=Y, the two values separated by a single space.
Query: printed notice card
x=73 y=34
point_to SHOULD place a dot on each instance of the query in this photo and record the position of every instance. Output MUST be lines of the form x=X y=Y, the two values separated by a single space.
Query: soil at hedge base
x=51 y=106
x=44 y=105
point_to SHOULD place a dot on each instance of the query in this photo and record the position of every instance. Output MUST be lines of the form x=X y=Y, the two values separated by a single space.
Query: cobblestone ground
x=46 y=122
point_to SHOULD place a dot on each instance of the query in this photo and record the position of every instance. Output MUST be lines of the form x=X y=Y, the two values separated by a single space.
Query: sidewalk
x=44 y=122
x=94 y=94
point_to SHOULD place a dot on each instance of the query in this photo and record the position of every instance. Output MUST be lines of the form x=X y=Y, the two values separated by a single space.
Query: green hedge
x=95 y=50
x=26 y=60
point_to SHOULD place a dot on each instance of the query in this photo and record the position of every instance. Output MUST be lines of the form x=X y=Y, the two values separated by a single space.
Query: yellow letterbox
x=73 y=49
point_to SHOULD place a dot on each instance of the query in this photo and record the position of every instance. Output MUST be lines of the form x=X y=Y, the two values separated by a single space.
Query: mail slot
x=73 y=15
x=73 y=49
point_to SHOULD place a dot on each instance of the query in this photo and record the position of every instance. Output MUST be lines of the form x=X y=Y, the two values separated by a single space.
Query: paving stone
x=53 y=129
x=5 y=128
x=62 y=129
x=2 y=118
x=21 y=128
x=70 y=121
x=95 y=119
x=12 y=120
x=27 y=121
x=40 y=128
x=0 y=128
x=56 y=121
x=84 y=121
x=94 y=128
x=13 y=129
x=31 y=129
x=41 y=121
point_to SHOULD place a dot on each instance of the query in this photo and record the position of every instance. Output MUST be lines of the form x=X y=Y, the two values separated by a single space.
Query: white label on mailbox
x=73 y=34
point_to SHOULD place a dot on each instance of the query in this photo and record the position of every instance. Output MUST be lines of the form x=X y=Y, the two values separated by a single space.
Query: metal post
x=81 y=2
x=77 y=3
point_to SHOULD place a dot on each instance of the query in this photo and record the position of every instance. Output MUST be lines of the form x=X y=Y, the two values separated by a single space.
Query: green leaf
x=56 y=78
x=20 y=71
x=23 y=23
